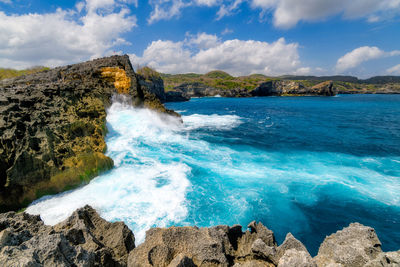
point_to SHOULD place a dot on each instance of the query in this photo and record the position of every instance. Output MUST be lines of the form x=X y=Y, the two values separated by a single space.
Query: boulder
x=84 y=239
x=353 y=246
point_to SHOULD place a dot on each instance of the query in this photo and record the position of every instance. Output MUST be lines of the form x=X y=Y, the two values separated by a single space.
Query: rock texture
x=355 y=246
x=85 y=239
x=52 y=126
x=185 y=91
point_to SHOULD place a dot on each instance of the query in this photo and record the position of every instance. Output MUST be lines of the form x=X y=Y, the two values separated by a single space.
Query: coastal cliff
x=85 y=239
x=53 y=125
x=185 y=91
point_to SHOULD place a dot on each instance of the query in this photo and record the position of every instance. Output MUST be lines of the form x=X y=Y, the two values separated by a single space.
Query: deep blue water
x=306 y=165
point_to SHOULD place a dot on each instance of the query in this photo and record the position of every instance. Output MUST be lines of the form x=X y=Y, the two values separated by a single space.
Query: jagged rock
x=84 y=239
x=353 y=246
x=294 y=257
x=388 y=259
x=202 y=245
x=293 y=253
x=216 y=246
x=52 y=125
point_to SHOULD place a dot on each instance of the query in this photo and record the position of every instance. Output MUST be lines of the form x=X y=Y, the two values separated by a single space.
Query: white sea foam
x=214 y=121
x=141 y=190
x=148 y=186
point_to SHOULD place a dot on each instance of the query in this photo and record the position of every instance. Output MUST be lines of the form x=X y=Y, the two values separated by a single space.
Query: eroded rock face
x=353 y=246
x=216 y=246
x=52 y=126
x=84 y=239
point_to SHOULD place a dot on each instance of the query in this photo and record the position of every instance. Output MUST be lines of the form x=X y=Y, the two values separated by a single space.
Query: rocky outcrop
x=85 y=239
x=355 y=246
x=185 y=91
x=52 y=126
x=288 y=88
x=153 y=85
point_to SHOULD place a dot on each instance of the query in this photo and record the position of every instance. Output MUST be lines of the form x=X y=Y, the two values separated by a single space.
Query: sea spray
x=303 y=165
x=142 y=190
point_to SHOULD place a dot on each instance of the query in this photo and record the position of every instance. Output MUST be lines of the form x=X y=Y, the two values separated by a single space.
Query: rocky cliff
x=52 y=126
x=185 y=91
x=85 y=239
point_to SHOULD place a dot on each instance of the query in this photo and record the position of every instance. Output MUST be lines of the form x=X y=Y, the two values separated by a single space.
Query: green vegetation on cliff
x=216 y=79
x=11 y=73
x=344 y=84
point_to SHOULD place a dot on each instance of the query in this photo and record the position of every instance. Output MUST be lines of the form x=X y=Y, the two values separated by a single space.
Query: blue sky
x=273 y=37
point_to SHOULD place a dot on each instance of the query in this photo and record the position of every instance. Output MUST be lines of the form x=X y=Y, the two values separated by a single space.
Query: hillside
x=222 y=80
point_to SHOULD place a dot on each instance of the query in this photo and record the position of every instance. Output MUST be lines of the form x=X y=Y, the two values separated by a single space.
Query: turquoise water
x=306 y=165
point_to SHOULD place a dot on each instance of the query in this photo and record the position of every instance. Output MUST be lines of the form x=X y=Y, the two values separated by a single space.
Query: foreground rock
x=52 y=126
x=355 y=246
x=85 y=239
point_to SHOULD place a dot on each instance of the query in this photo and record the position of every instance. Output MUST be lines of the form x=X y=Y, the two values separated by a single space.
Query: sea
x=305 y=165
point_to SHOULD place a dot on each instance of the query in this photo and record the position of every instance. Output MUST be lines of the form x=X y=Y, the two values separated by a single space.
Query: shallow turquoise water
x=306 y=165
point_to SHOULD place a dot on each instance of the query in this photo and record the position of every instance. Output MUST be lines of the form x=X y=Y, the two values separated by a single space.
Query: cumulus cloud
x=287 y=13
x=63 y=36
x=360 y=55
x=204 y=52
x=395 y=70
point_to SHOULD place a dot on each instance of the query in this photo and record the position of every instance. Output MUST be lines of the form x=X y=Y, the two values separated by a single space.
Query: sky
x=271 y=37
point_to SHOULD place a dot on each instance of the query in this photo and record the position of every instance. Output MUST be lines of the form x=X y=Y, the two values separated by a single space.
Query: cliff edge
x=53 y=124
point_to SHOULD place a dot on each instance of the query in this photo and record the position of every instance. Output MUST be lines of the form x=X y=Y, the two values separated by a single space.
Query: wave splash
x=148 y=185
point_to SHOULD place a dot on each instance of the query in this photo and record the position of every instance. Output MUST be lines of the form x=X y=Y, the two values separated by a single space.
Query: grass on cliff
x=11 y=73
x=147 y=72
x=217 y=79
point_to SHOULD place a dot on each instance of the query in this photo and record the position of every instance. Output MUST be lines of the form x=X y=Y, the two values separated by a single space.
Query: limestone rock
x=294 y=257
x=353 y=246
x=84 y=239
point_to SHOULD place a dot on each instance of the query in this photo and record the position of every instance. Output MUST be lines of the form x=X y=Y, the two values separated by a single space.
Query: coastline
x=85 y=239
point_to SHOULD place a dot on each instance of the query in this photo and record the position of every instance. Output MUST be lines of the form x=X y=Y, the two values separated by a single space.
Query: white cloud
x=228 y=9
x=165 y=9
x=233 y=56
x=287 y=13
x=5 y=1
x=64 y=36
x=395 y=70
x=203 y=41
x=206 y=2
x=226 y=31
x=360 y=55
